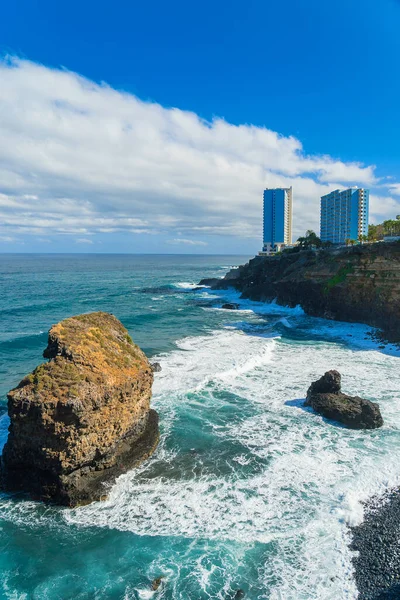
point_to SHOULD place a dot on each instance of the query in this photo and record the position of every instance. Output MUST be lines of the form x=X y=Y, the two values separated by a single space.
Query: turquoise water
x=247 y=490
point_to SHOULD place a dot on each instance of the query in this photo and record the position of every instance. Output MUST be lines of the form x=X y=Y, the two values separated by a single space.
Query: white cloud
x=80 y=158
x=83 y=241
x=186 y=242
x=383 y=207
x=394 y=189
x=7 y=238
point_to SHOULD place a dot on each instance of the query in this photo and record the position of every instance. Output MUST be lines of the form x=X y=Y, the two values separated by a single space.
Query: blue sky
x=203 y=105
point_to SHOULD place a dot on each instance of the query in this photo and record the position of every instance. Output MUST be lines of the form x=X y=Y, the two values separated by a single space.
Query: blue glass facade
x=344 y=215
x=277 y=217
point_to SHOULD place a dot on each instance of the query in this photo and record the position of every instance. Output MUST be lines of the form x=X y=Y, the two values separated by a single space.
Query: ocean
x=248 y=494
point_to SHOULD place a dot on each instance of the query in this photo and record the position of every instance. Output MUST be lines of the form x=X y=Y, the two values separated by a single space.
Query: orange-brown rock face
x=82 y=418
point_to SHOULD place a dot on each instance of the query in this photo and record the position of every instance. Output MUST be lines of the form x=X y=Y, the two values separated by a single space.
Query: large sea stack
x=82 y=418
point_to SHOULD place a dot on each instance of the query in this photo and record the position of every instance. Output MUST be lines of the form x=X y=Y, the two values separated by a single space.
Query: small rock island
x=82 y=418
x=327 y=399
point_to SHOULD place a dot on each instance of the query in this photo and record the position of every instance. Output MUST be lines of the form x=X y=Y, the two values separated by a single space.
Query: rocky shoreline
x=377 y=543
x=339 y=283
x=357 y=284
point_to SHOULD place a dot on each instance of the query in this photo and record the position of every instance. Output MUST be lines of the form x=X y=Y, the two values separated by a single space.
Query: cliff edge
x=357 y=284
x=82 y=418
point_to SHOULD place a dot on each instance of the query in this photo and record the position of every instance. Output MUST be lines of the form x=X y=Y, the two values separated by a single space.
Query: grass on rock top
x=93 y=347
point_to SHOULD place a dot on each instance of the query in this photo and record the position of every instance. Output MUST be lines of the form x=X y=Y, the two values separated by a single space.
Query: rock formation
x=209 y=281
x=156 y=583
x=326 y=398
x=359 y=284
x=82 y=418
x=230 y=306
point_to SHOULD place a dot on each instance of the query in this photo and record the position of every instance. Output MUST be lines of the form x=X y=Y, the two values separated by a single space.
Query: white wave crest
x=187 y=285
x=309 y=476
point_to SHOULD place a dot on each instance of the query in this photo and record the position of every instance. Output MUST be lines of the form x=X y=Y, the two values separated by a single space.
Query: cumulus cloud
x=81 y=158
x=383 y=207
x=186 y=242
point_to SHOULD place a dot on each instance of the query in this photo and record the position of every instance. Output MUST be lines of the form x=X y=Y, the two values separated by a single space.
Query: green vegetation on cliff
x=388 y=227
x=358 y=283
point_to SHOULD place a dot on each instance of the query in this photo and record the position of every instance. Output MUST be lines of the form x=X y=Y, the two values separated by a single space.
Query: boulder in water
x=230 y=306
x=155 y=584
x=156 y=367
x=326 y=398
x=82 y=418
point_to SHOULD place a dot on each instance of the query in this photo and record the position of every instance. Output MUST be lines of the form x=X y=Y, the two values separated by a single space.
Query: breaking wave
x=225 y=399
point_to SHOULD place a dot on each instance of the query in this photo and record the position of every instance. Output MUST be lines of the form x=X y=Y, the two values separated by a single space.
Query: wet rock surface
x=230 y=306
x=209 y=281
x=326 y=398
x=377 y=543
x=156 y=367
x=83 y=418
x=156 y=583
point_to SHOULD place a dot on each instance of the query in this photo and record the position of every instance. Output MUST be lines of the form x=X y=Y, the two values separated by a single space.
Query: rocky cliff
x=359 y=284
x=82 y=418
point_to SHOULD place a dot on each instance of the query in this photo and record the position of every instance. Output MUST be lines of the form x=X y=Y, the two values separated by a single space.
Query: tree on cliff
x=310 y=240
x=388 y=227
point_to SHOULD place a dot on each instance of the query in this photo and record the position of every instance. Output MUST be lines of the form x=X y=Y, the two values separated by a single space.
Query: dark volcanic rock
x=210 y=281
x=377 y=542
x=82 y=418
x=155 y=584
x=236 y=595
x=330 y=383
x=230 y=306
x=156 y=367
x=358 y=284
x=325 y=397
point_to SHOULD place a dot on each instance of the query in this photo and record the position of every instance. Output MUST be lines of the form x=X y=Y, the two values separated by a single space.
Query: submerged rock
x=236 y=595
x=155 y=584
x=82 y=418
x=156 y=367
x=230 y=306
x=326 y=398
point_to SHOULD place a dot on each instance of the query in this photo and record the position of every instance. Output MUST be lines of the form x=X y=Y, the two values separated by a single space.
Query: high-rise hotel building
x=344 y=215
x=277 y=218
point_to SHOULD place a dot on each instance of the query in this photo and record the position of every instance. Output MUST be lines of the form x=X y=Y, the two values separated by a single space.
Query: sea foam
x=310 y=476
